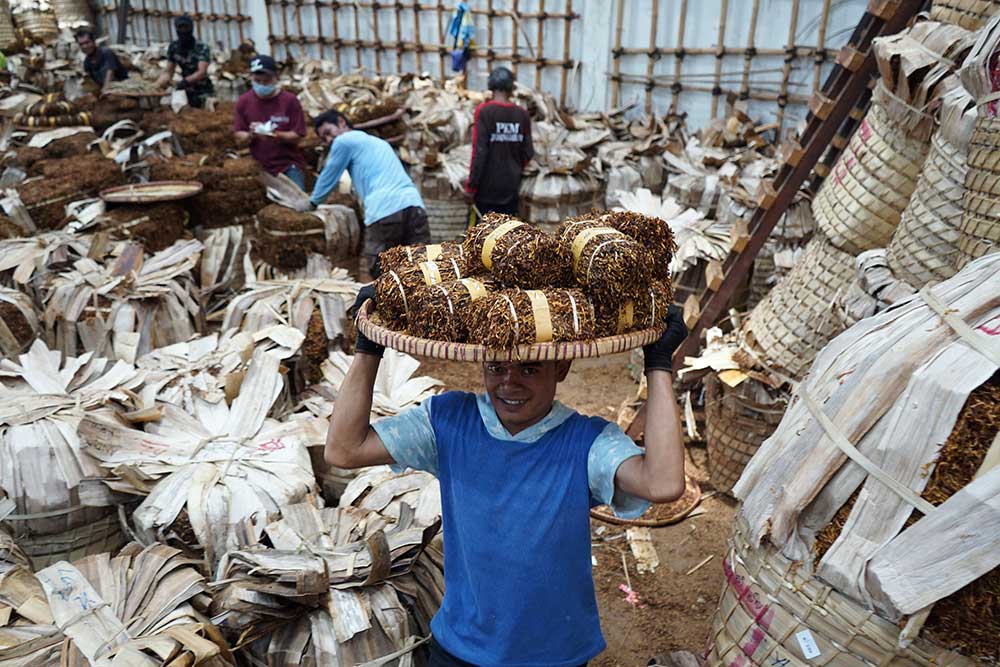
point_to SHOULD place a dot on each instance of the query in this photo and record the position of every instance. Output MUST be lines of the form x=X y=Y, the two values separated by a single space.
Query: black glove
x=660 y=355
x=363 y=343
x=182 y=84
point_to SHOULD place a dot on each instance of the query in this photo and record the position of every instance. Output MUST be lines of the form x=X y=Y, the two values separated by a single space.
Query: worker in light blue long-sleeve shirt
x=394 y=211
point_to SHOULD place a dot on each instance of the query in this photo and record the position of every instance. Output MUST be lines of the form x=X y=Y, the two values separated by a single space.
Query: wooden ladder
x=834 y=113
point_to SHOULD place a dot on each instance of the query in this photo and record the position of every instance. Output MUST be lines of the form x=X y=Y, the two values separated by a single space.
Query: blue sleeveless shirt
x=519 y=591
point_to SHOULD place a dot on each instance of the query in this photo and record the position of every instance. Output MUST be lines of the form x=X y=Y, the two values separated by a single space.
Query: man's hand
x=365 y=345
x=162 y=83
x=660 y=354
x=304 y=205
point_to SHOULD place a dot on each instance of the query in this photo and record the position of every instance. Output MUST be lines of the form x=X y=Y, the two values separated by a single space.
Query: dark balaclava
x=185 y=32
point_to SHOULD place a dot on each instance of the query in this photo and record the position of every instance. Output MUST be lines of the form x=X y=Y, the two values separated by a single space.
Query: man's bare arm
x=351 y=442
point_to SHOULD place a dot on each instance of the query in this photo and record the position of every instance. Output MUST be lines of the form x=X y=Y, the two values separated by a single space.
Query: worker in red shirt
x=501 y=147
x=271 y=121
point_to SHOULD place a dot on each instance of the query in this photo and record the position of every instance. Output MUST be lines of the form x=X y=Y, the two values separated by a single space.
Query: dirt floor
x=674 y=609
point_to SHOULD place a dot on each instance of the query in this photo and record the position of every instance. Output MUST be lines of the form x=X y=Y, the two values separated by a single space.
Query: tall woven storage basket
x=8 y=37
x=772 y=610
x=924 y=247
x=979 y=233
x=72 y=14
x=860 y=203
x=37 y=18
x=446 y=218
x=796 y=319
x=736 y=425
x=970 y=14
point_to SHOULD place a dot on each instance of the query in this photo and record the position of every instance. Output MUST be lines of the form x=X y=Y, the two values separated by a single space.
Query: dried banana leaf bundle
x=517 y=254
x=504 y=320
x=18 y=322
x=647 y=310
x=381 y=490
x=394 y=290
x=441 y=311
x=404 y=256
x=653 y=233
x=610 y=265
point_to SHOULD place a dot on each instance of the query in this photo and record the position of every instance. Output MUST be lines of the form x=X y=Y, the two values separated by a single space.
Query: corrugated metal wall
x=662 y=55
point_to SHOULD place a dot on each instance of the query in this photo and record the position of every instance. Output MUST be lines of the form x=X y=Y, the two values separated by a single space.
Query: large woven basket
x=447 y=218
x=979 y=233
x=772 y=611
x=970 y=14
x=796 y=319
x=72 y=14
x=861 y=201
x=736 y=425
x=924 y=248
x=96 y=536
x=39 y=23
x=8 y=37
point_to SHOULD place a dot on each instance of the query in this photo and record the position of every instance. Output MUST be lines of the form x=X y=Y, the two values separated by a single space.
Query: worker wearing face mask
x=193 y=58
x=271 y=122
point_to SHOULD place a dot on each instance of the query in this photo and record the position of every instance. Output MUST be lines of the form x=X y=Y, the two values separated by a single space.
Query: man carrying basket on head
x=518 y=472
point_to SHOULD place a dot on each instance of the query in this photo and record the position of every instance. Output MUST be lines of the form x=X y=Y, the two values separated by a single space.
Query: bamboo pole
x=539 y=65
x=824 y=20
x=616 y=55
x=750 y=50
x=378 y=42
x=357 y=33
x=442 y=37
x=567 y=25
x=301 y=33
x=489 y=36
x=515 y=56
x=651 y=61
x=719 y=55
x=319 y=30
x=399 y=38
x=416 y=39
x=145 y=23
x=793 y=26
x=239 y=24
x=679 y=54
x=334 y=10
x=800 y=51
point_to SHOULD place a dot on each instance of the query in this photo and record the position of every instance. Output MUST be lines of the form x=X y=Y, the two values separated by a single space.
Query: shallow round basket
x=440 y=349
x=660 y=514
x=447 y=219
x=154 y=191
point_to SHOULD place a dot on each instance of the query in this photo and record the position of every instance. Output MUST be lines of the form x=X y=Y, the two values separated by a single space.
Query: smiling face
x=86 y=44
x=522 y=394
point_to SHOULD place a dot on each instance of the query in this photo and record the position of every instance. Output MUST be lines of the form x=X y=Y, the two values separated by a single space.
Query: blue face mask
x=264 y=91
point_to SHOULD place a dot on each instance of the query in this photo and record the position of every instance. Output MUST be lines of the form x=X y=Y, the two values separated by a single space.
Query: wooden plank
x=739 y=235
x=692 y=311
x=714 y=276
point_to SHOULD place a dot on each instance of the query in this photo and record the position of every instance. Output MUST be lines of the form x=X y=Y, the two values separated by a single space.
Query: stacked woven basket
x=970 y=14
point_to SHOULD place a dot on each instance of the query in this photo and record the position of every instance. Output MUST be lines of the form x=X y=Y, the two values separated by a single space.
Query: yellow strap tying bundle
x=476 y=289
x=433 y=252
x=583 y=238
x=493 y=237
x=543 y=316
x=626 y=316
x=432 y=274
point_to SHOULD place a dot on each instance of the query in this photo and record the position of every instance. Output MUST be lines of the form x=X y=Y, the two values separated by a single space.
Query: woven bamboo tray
x=659 y=514
x=970 y=14
x=979 y=232
x=154 y=191
x=447 y=218
x=772 y=607
x=859 y=205
x=736 y=426
x=439 y=349
x=796 y=319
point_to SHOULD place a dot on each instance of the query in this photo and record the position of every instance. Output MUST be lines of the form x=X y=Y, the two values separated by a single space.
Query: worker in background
x=394 y=211
x=501 y=147
x=270 y=120
x=518 y=472
x=99 y=62
x=192 y=57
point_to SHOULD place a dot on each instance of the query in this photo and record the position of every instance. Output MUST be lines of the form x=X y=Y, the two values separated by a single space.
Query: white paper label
x=808 y=644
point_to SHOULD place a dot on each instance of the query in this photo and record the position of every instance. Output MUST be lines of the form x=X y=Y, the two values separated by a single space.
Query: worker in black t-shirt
x=100 y=62
x=501 y=146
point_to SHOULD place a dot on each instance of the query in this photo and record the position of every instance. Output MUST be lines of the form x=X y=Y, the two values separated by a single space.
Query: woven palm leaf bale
x=37 y=18
x=72 y=14
x=874 y=289
x=859 y=205
x=18 y=322
x=503 y=320
x=653 y=233
x=979 y=232
x=517 y=254
x=404 y=256
x=647 y=310
x=204 y=473
x=394 y=290
x=888 y=393
x=125 y=306
x=610 y=265
x=11 y=555
x=286 y=237
x=24 y=260
x=797 y=318
x=924 y=247
x=46 y=199
x=970 y=14
x=143 y=606
x=8 y=36
x=61 y=511
x=442 y=309
x=154 y=226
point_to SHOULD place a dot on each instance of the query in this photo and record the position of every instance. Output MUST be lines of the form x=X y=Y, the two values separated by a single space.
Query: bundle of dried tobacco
x=517 y=254
x=444 y=308
x=394 y=290
x=504 y=320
